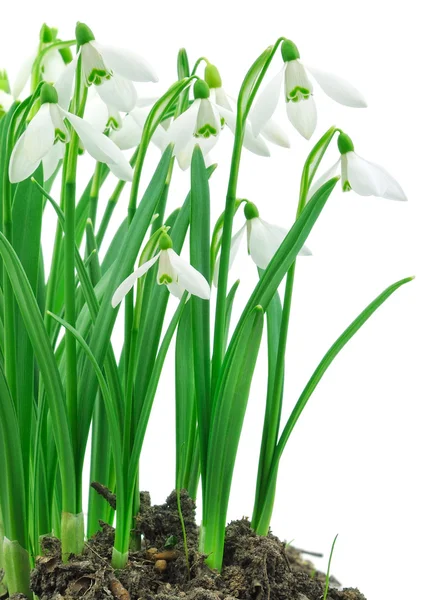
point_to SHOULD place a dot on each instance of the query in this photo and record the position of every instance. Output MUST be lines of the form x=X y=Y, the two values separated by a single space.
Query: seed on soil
x=161 y=566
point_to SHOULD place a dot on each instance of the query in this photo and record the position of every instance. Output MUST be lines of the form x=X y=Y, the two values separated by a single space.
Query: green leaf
x=326 y=361
x=200 y=309
x=217 y=238
x=225 y=430
x=120 y=270
x=48 y=367
x=312 y=164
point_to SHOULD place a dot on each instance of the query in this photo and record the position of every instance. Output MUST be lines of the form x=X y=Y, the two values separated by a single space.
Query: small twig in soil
x=105 y=493
x=309 y=552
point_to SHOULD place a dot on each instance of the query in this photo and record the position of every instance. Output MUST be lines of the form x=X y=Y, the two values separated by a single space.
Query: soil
x=255 y=567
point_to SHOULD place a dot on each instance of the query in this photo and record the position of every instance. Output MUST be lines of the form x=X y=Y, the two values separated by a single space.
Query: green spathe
x=212 y=76
x=201 y=90
x=47 y=34
x=83 y=34
x=17 y=567
x=345 y=143
x=251 y=211
x=72 y=534
x=48 y=94
x=289 y=51
x=165 y=242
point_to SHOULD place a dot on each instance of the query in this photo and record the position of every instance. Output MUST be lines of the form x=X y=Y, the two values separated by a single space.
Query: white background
x=357 y=462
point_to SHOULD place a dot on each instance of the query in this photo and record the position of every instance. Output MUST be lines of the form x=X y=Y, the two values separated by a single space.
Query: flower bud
x=201 y=90
x=251 y=211
x=212 y=77
x=83 y=34
x=165 y=242
x=345 y=143
x=47 y=35
x=48 y=94
x=289 y=51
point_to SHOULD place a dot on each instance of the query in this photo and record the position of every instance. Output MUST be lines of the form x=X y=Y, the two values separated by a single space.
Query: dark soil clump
x=255 y=567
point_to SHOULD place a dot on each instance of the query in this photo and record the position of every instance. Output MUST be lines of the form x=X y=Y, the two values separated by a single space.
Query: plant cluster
x=61 y=386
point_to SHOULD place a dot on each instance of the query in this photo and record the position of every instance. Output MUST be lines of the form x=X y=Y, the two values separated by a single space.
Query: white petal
x=118 y=92
x=264 y=241
x=369 y=179
x=128 y=136
x=184 y=157
x=275 y=134
x=175 y=289
x=128 y=283
x=338 y=88
x=53 y=66
x=64 y=84
x=101 y=147
x=40 y=134
x=182 y=129
x=208 y=120
x=303 y=116
x=57 y=119
x=23 y=74
x=20 y=167
x=266 y=104
x=147 y=101
x=297 y=83
x=51 y=160
x=252 y=143
x=128 y=64
x=331 y=172
x=96 y=113
x=235 y=245
x=160 y=138
x=219 y=96
x=188 y=277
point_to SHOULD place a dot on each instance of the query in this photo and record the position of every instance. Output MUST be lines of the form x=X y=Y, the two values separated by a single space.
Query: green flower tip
x=4 y=82
x=165 y=242
x=83 y=34
x=201 y=89
x=47 y=34
x=66 y=55
x=48 y=94
x=212 y=77
x=250 y=211
x=345 y=143
x=289 y=51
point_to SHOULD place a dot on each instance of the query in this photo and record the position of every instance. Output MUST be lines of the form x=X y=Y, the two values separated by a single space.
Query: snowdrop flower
x=45 y=136
x=173 y=271
x=263 y=240
x=112 y=70
x=130 y=133
x=293 y=80
x=361 y=176
x=199 y=124
x=53 y=63
x=271 y=131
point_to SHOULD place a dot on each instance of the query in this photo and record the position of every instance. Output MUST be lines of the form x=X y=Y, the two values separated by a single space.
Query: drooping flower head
x=293 y=81
x=199 y=124
x=357 y=174
x=45 y=136
x=271 y=131
x=112 y=70
x=174 y=272
x=263 y=240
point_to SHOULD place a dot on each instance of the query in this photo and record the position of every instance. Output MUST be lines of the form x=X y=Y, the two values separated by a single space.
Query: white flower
x=45 y=136
x=271 y=131
x=361 y=176
x=263 y=240
x=298 y=93
x=173 y=271
x=130 y=133
x=112 y=70
x=199 y=124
